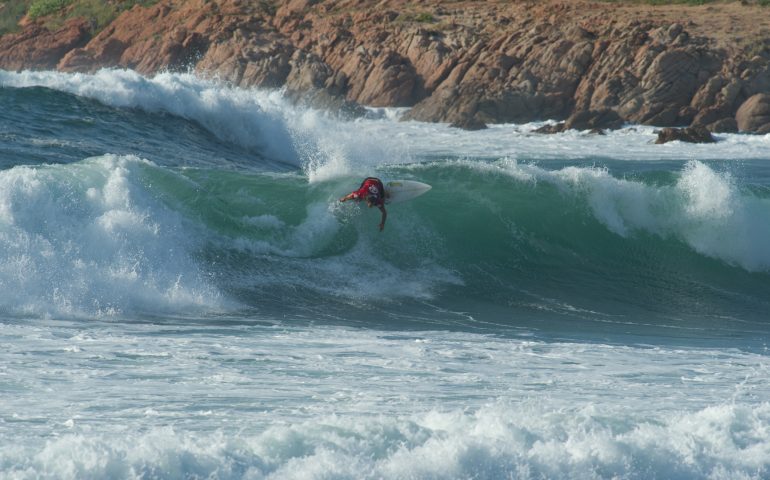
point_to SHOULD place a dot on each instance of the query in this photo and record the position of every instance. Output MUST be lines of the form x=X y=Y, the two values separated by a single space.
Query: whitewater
x=182 y=296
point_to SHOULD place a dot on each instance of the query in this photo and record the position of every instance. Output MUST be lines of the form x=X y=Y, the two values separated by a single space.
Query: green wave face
x=518 y=237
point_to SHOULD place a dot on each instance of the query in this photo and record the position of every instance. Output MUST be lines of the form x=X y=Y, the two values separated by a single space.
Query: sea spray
x=87 y=239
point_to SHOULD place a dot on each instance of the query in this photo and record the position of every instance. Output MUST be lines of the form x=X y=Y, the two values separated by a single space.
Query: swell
x=45 y=125
x=665 y=239
x=515 y=235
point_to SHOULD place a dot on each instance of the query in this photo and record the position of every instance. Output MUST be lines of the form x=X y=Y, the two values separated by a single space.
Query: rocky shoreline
x=469 y=63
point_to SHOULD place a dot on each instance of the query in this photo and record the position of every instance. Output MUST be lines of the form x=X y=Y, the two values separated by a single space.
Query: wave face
x=117 y=233
x=176 y=267
x=244 y=185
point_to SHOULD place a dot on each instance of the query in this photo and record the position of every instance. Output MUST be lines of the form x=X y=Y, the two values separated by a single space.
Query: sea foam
x=88 y=239
x=498 y=441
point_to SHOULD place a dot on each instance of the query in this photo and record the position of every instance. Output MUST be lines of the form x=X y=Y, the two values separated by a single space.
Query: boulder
x=724 y=125
x=754 y=114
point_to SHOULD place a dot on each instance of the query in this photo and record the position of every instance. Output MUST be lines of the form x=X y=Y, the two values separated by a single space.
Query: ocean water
x=181 y=296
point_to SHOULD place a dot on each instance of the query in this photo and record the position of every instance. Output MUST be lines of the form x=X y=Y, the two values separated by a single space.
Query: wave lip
x=703 y=208
x=248 y=118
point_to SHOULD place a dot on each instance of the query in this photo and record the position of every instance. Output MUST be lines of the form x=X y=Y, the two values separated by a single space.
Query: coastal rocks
x=36 y=47
x=469 y=123
x=487 y=62
x=605 y=119
x=697 y=134
x=311 y=82
x=595 y=121
x=149 y=39
x=754 y=114
x=392 y=82
x=667 y=86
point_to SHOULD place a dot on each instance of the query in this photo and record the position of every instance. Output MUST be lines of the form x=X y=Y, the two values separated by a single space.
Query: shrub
x=41 y=8
x=11 y=12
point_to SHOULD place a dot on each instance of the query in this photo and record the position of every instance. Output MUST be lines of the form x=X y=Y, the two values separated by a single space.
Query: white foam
x=248 y=118
x=521 y=440
x=258 y=401
x=88 y=239
x=259 y=119
x=328 y=148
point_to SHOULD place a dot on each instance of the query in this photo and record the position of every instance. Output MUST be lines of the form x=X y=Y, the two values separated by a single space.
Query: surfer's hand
x=343 y=199
x=382 y=226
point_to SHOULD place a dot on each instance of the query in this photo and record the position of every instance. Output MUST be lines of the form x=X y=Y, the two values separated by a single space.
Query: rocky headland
x=593 y=65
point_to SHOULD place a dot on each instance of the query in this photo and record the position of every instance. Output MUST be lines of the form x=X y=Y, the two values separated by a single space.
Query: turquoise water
x=184 y=298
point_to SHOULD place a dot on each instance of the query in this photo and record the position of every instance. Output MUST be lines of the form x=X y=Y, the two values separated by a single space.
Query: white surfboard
x=397 y=191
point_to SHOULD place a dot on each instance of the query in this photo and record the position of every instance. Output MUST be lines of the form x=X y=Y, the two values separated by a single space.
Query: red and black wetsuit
x=371 y=188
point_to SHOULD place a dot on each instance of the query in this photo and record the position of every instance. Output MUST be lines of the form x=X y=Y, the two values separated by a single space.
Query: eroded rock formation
x=467 y=63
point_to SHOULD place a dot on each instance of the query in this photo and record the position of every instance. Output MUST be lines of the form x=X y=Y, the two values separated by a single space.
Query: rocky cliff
x=466 y=62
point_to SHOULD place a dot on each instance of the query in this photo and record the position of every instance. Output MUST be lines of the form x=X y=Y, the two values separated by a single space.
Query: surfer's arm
x=384 y=217
x=348 y=196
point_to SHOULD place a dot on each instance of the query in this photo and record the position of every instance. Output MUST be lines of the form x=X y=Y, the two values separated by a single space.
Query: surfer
x=373 y=191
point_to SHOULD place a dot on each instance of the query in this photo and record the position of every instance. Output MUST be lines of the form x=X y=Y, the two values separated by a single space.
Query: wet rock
x=469 y=123
x=606 y=119
x=697 y=134
x=551 y=128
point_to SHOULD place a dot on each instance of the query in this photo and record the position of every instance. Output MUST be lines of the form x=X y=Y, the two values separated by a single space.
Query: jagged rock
x=697 y=134
x=35 y=47
x=724 y=125
x=549 y=129
x=594 y=119
x=754 y=114
x=551 y=60
x=392 y=81
x=312 y=83
x=710 y=115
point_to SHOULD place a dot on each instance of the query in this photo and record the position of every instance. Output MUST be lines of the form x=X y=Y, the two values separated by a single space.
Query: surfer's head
x=373 y=200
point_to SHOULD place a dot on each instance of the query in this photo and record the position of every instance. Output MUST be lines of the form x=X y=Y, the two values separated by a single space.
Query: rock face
x=468 y=64
x=37 y=48
x=754 y=114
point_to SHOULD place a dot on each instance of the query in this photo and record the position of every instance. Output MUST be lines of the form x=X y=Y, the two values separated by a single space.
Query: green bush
x=99 y=13
x=415 y=17
x=41 y=8
x=11 y=12
x=423 y=17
